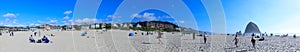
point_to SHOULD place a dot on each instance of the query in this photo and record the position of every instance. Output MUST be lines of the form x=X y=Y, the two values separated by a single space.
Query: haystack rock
x=252 y=28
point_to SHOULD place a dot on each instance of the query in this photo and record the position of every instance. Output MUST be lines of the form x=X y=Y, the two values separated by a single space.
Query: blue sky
x=33 y=11
x=271 y=16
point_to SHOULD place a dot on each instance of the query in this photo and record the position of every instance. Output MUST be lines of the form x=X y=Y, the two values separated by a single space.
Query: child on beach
x=253 y=42
x=236 y=41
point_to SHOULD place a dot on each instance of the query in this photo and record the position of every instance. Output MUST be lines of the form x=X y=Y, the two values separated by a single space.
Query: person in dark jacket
x=45 y=40
x=204 y=37
x=236 y=39
x=253 y=42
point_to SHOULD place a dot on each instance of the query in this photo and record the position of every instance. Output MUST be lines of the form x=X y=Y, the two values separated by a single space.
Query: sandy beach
x=119 y=41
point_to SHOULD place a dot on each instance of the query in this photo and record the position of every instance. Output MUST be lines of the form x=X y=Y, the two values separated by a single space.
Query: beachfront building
x=138 y=26
x=85 y=27
x=252 y=28
x=46 y=26
x=95 y=26
x=3 y=28
x=126 y=25
x=18 y=29
x=158 y=25
x=56 y=28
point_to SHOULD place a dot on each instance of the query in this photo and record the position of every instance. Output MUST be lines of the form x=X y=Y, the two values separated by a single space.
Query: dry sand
x=119 y=41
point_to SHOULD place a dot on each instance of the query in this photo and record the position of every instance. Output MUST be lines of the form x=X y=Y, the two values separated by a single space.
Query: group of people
x=11 y=33
x=203 y=35
x=44 y=39
x=236 y=40
x=159 y=35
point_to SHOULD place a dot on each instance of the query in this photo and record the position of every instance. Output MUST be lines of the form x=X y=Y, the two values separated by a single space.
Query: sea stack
x=251 y=28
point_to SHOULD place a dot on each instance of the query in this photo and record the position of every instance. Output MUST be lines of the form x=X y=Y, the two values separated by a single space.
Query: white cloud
x=113 y=16
x=10 y=15
x=39 y=21
x=86 y=20
x=32 y=24
x=15 y=21
x=135 y=15
x=168 y=16
x=7 y=20
x=67 y=12
x=66 y=18
x=181 y=21
x=53 y=21
x=146 y=16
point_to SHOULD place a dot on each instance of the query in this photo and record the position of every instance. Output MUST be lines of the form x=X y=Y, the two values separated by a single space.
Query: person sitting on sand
x=52 y=35
x=31 y=39
x=204 y=37
x=236 y=39
x=253 y=42
x=294 y=36
x=159 y=37
x=45 y=40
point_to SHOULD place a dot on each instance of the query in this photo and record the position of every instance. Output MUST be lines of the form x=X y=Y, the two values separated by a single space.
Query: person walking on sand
x=236 y=39
x=194 y=36
x=253 y=42
x=204 y=37
x=11 y=33
x=34 y=33
x=159 y=37
x=294 y=36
